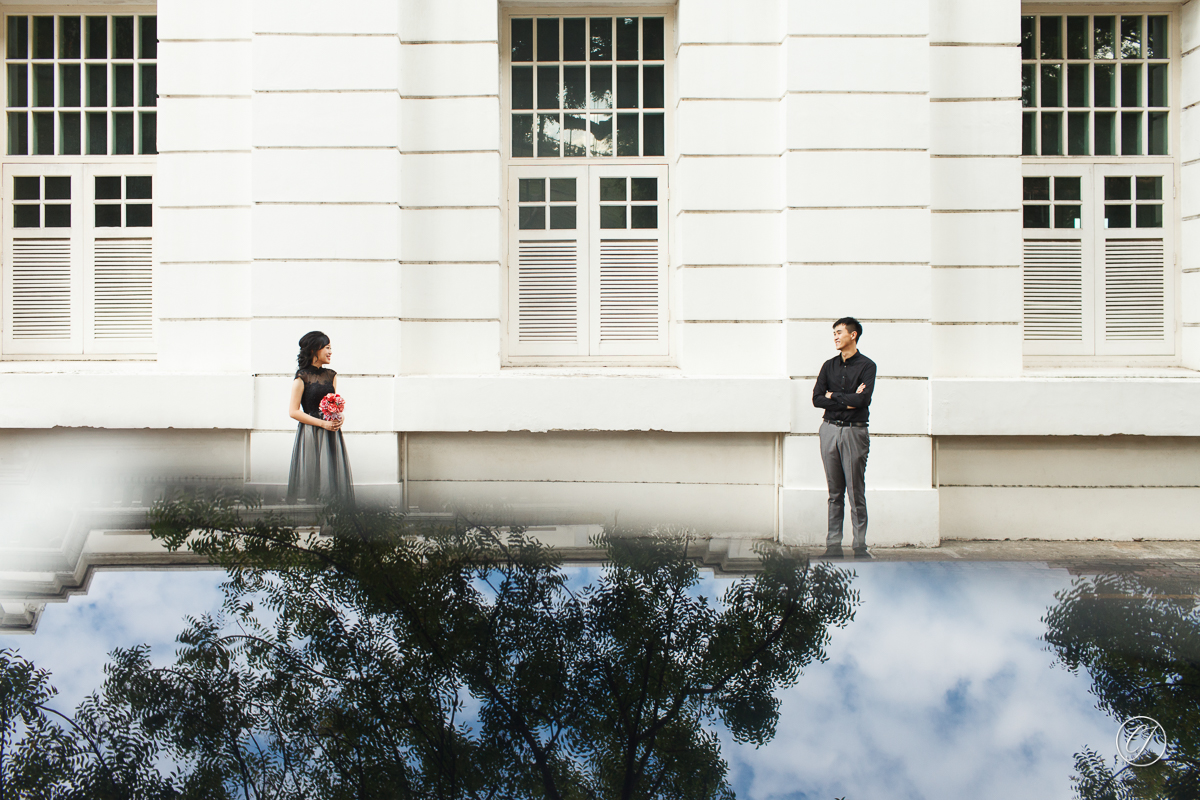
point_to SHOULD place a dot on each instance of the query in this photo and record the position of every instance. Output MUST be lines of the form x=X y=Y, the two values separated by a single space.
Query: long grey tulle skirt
x=320 y=470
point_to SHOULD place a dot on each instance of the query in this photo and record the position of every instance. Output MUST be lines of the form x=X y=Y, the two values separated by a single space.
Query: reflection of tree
x=390 y=660
x=1139 y=640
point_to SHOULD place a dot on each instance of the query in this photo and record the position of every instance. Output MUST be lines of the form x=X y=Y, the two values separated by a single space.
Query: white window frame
x=1048 y=165
x=512 y=356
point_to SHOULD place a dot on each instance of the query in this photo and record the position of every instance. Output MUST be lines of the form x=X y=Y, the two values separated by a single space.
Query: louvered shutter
x=547 y=271
x=1057 y=296
x=43 y=295
x=628 y=282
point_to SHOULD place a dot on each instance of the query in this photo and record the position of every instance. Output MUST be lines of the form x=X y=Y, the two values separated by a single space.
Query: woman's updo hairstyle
x=310 y=343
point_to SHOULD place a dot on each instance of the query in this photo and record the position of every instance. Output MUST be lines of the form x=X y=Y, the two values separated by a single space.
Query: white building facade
x=581 y=262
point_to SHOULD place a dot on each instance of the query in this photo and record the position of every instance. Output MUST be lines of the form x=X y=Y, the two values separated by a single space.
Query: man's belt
x=844 y=424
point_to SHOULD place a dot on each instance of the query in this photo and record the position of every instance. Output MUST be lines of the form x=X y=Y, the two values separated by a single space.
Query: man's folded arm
x=859 y=399
x=819 y=390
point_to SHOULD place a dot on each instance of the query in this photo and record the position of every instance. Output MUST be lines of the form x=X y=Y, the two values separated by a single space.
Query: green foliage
x=1139 y=641
x=395 y=660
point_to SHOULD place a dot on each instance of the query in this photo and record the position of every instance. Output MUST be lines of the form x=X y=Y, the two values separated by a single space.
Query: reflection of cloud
x=121 y=609
x=940 y=688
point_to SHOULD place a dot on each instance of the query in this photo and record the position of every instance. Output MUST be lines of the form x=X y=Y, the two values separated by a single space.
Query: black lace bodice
x=318 y=382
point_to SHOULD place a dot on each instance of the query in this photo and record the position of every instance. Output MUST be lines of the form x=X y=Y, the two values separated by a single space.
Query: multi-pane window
x=587 y=87
x=82 y=84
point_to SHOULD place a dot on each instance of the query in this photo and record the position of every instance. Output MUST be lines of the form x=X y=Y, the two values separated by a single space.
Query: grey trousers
x=844 y=454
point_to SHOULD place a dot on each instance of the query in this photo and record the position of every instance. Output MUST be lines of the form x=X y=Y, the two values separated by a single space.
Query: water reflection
x=393 y=659
x=1138 y=638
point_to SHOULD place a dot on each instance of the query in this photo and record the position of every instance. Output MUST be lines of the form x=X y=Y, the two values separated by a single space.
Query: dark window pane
x=574 y=136
x=1037 y=217
x=562 y=218
x=1156 y=133
x=1156 y=88
x=43 y=134
x=27 y=188
x=1131 y=37
x=547 y=39
x=562 y=190
x=149 y=86
x=627 y=134
x=1051 y=85
x=1116 y=217
x=1077 y=85
x=1051 y=37
x=139 y=215
x=27 y=216
x=1027 y=35
x=108 y=187
x=18 y=85
x=547 y=87
x=601 y=38
x=18 y=136
x=612 y=189
x=1106 y=134
x=58 y=216
x=531 y=190
x=1149 y=216
x=1037 y=189
x=522 y=87
x=1131 y=85
x=522 y=135
x=643 y=189
x=1028 y=82
x=1067 y=189
x=1078 y=37
x=43 y=85
x=138 y=187
x=548 y=136
x=652 y=38
x=1149 y=187
x=97 y=134
x=601 y=88
x=68 y=37
x=1156 y=37
x=1117 y=189
x=627 y=39
x=149 y=133
x=1106 y=85
x=654 y=135
x=1104 y=38
x=123 y=134
x=123 y=85
x=122 y=37
x=1131 y=133
x=601 y=130
x=18 y=39
x=652 y=87
x=68 y=131
x=532 y=218
x=1078 y=137
x=1029 y=134
x=68 y=79
x=58 y=187
x=643 y=217
x=108 y=216
x=1052 y=133
x=1068 y=216
x=96 y=45
x=43 y=37
x=574 y=40
x=522 y=40
x=627 y=87
x=574 y=87
x=612 y=217
x=97 y=85
x=147 y=37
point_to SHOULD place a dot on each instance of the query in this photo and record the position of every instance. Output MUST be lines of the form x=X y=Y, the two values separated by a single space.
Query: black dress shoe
x=833 y=552
x=861 y=552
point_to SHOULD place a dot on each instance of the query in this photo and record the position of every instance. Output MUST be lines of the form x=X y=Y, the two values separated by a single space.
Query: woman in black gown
x=320 y=468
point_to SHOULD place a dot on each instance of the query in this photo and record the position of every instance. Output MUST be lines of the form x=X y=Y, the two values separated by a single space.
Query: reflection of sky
x=940 y=687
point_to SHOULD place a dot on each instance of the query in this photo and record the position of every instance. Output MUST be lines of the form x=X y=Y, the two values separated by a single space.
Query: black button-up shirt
x=843 y=378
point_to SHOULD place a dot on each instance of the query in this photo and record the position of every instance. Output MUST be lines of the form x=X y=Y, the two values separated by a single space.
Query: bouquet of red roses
x=332 y=406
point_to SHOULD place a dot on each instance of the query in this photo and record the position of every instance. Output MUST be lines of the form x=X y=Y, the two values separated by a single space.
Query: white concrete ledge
x=526 y=402
x=1084 y=405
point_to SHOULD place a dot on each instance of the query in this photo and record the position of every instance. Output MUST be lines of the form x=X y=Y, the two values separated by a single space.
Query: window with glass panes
x=1096 y=84
x=587 y=87
x=82 y=84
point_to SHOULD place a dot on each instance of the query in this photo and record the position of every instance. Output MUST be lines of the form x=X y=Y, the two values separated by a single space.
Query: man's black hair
x=852 y=325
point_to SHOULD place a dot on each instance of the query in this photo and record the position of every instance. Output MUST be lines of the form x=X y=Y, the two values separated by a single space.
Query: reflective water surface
x=387 y=658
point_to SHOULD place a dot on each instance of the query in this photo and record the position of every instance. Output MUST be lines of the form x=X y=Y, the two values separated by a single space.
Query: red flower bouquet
x=332 y=406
